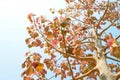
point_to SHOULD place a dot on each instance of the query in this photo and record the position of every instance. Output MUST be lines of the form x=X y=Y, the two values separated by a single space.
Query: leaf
x=28 y=40
x=28 y=78
x=33 y=34
x=41 y=45
x=36 y=58
x=78 y=51
x=54 y=42
x=49 y=35
x=62 y=45
x=30 y=17
x=34 y=44
x=56 y=20
x=57 y=71
x=40 y=67
x=110 y=42
x=111 y=66
x=52 y=10
x=115 y=51
x=42 y=18
x=69 y=73
x=23 y=65
x=29 y=71
x=60 y=38
x=36 y=34
x=30 y=46
x=23 y=73
x=61 y=11
x=118 y=69
x=67 y=19
x=64 y=24
x=43 y=72
x=71 y=0
x=64 y=32
x=93 y=18
x=89 y=12
x=118 y=27
x=27 y=53
x=38 y=41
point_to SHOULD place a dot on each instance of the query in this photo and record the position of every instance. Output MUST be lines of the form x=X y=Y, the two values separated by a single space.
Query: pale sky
x=13 y=32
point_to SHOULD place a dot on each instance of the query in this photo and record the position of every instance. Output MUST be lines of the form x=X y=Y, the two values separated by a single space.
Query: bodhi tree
x=80 y=42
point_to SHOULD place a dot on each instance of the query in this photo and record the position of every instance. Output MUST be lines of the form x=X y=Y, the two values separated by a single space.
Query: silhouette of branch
x=118 y=60
x=117 y=37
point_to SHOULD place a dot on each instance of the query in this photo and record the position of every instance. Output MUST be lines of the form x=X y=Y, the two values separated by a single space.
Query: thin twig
x=82 y=2
x=87 y=73
x=117 y=37
x=103 y=14
x=106 y=28
x=89 y=26
x=55 y=74
x=67 y=54
x=83 y=58
x=118 y=60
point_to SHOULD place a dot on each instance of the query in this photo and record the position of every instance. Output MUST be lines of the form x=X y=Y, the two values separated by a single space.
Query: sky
x=13 y=23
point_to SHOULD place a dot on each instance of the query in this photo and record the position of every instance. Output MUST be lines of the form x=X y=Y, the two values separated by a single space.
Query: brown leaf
x=29 y=71
x=64 y=24
x=118 y=27
x=57 y=71
x=30 y=17
x=49 y=35
x=28 y=40
x=54 y=42
x=115 y=51
x=34 y=44
x=23 y=65
x=111 y=66
x=89 y=12
x=40 y=67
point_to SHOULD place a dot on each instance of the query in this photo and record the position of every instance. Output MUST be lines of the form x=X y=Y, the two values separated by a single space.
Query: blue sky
x=13 y=32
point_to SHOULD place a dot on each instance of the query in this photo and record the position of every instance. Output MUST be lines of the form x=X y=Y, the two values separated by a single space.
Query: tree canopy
x=80 y=42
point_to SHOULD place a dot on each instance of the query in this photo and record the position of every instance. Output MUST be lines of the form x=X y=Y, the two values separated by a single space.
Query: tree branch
x=103 y=14
x=106 y=28
x=86 y=74
x=89 y=26
x=83 y=58
x=67 y=54
x=72 y=56
x=118 y=60
x=117 y=37
x=117 y=75
x=87 y=38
